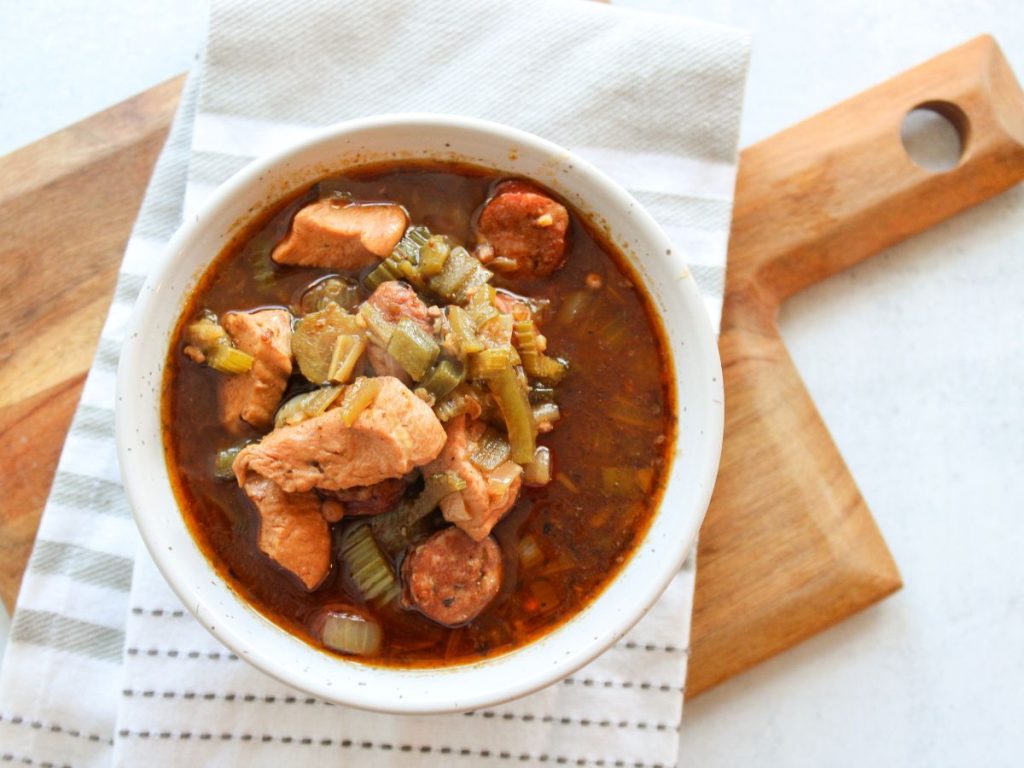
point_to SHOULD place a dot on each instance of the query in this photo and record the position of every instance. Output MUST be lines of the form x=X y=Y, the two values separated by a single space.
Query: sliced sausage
x=335 y=234
x=371 y=499
x=254 y=396
x=293 y=533
x=478 y=509
x=395 y=300
x=526 y=229
x=392 y=435
x=451 y=578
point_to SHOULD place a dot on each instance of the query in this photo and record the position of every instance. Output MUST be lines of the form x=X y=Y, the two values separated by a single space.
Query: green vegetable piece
x=369 y=569
x=491 y=451
x=348 y=633
x=445 y=376
x=305 y=406
x=433 y=255
x=332 y=288
x=348 y=348
x=510 y=394
x=394 y=530
x=413 y=348
x=358 y=397
x=315 y=338
x=385 y=271
x=459 y=272
x=223 y=462
x=490 y=362
x=535 y=362
x=464 y=330
x=228 y=359
x=379 y=328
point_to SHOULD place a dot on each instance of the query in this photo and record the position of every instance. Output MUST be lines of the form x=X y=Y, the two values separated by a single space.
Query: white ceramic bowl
x=655 y=561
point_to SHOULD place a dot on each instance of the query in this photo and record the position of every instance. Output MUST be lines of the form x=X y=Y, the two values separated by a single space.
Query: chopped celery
x=497 y=330
x=385 y=271
x=349 y=633
x=481 y=305
x=433 y=255
x=332 y=288
x=223 y=462
x=402 y=263
x=536 y=362
x=228 y=359
x=492 y=450
x=379 y=327
x=393 y=530
x=459 y=401
x=510 y=394
x=367 y=565
x=315 y=339
x=348 y=348
x=412 y=242
x=490 y=362
x=306 y=406
x=445 y=376
x=460 y=274
x=358 y=397
x=464 y=330
x=538 y=471
x=413 y=348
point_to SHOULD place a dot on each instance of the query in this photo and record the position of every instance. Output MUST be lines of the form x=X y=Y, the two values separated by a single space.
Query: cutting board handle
x=840 y=187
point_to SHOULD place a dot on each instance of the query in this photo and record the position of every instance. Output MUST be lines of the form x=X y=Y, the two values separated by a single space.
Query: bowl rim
x=704 y=467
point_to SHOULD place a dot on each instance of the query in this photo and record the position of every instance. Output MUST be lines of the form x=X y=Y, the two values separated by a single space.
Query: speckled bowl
x=655 y=561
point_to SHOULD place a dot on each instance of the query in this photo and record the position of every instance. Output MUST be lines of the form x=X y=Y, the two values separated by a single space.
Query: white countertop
x=915 y=359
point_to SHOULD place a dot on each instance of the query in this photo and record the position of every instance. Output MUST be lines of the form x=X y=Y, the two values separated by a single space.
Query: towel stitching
x=643 y=685
x=175 y=653
x=561 y=720
x=53 y=728
x=385 y=746
x=10 y=757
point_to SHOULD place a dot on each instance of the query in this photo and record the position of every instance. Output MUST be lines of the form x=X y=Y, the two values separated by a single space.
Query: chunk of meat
x=478 y=508
x=293 y=533
x=395 y=300
x=451 y=578
x=254 y=396
x=392 y=435
x=526 y=229
x=335 y=234
x=371 y=499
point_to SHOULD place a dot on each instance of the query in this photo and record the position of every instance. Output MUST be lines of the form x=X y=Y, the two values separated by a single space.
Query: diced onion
x=349 y=633
x=501 y=479
x=529 y=553
x=538 y=471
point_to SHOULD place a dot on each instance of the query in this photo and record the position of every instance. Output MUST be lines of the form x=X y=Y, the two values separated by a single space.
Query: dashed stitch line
x=9 y=757
x=641 y=685
x=173 y=614
x=213 y=696
x=384 y=746
x=633 y=646
x=174 y=653
x=527 y=717
x=54 y=728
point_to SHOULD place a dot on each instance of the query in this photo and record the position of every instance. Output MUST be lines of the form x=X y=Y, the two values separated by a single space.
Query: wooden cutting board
x=789 y=546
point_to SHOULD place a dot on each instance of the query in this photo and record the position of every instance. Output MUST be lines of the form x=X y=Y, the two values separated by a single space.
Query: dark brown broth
x=617 y=352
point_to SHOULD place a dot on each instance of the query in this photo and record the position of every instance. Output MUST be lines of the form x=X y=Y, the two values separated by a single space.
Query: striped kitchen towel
x=94 y=676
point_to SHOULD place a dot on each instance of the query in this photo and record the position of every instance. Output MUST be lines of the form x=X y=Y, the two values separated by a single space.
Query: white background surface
x=915 y=359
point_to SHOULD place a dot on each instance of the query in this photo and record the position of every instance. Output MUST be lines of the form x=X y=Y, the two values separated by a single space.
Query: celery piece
x=445 y=376
x=413 y=348
x=409 y=247
x=490 y=362
x=367 y=565
x=379 y=327
x=348 y=348
x=458 y=268
x=393 y=530
x=223 y=462
x=478 y=278
x=535 y=362
x=433 y=255
x=464 y=330
x=305 y=406
x=491 y=450
x=481 y=305
x=333 y=288
x=385 y=271
x=510 y=394
x=228 y=359
x=315 y=338
x=358 y=397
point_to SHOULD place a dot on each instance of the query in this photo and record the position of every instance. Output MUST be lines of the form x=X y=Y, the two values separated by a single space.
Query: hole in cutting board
x=934 y=135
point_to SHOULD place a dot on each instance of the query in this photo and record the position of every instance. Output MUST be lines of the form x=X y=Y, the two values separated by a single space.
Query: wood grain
x=789 y=546
x=67 y=204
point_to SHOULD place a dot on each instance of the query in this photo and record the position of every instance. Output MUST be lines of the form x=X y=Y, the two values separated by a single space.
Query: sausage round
x=450 y=578
x=526 y=228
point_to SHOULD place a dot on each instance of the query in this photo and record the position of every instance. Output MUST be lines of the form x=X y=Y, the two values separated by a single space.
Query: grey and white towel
x=104 y=666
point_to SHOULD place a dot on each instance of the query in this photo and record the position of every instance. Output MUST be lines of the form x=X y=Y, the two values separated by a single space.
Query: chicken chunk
x=335 y=234
x=395 y=300
x=526 y=229
x=478 y=508
x=253 y=396
x=451 y=578
x=394 y=433
x=293 y=533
